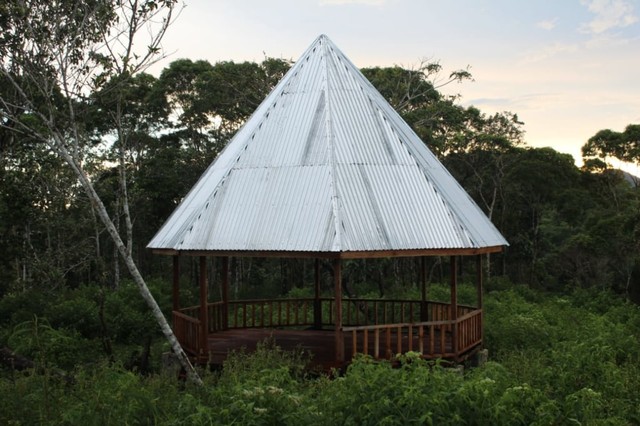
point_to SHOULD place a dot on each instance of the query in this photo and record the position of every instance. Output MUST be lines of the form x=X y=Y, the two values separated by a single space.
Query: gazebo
x=326 y=169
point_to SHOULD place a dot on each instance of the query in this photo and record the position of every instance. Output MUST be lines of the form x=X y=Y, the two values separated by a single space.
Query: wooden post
x=424 y=313
x=225 y=293
x=454 y=306
x=317 y=304
x=337 y=277
x=204 y=326
x=176 y=283
x=479 y=278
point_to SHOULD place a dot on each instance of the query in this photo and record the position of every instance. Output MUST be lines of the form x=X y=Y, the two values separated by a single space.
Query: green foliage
x=50 y=347
x=268 y=364
x=119 y=395
x=64 y=329
x=127 y=317
x=624 y=146
x=567 y=227
x=22 y=306
x=77 y=313
x=580 y=350
x=570 y=359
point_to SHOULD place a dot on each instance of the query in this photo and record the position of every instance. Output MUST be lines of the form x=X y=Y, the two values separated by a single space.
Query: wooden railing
x=216 y=317
x=187 y=330
x=385 y=340
x=431 y=338
x=357 y=312
x=271 y=313
x=469 y=332
x=378 y=327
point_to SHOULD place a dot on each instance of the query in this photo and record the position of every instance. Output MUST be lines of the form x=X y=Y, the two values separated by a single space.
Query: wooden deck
x=319 y=344
x=379 y=328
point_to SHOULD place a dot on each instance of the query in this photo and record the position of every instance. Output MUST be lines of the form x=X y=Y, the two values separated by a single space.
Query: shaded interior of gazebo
x=332 y=330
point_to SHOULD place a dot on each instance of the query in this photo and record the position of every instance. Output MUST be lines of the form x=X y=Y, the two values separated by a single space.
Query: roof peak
x=325 y=164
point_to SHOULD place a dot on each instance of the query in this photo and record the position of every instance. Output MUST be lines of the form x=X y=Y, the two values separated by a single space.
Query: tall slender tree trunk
x=116 y=256
x=44 y=57
x=122 y=178
x=102 y=213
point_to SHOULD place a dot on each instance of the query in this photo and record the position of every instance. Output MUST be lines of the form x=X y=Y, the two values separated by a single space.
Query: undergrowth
x=554 y=360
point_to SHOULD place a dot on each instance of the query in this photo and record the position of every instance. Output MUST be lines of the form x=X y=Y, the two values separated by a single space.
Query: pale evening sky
x=568 y=68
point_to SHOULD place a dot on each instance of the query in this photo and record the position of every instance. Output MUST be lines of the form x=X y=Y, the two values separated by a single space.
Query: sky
x=568 y=68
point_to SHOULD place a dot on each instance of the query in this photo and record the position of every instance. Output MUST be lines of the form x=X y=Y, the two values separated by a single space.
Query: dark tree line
x=567 y=227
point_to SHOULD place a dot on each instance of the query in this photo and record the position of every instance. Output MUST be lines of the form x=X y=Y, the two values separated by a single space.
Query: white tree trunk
x=76 y=53
x=60 y=147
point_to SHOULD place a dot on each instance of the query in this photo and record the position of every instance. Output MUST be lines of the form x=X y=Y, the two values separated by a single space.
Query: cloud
x=547 y=52
x=608 y=14
x=606 y=41
x=547 y=24
x=524 y=101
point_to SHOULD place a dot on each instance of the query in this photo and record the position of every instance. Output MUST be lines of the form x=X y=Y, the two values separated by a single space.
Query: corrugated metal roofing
x=325 y=164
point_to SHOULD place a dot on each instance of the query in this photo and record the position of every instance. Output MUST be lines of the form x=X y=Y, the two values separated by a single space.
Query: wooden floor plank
x=319 y=343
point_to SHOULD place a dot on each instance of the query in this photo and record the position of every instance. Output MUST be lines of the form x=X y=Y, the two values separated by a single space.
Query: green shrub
x=49 y=347
x=79 y=314
x=556 y=360
x=17 y=308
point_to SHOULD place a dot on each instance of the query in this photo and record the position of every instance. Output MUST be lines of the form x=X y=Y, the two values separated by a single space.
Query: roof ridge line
x=333 y=181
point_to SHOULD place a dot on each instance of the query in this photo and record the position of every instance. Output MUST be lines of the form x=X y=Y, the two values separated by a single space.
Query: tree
x=55 y=53
x=124 y=110
x=208 y=103
x=606 y=144
x=480 y=157
x=45 y=229
x=539 y=188
x=415 y=95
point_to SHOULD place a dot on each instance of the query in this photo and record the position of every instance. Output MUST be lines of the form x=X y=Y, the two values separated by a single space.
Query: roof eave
x=369 y=254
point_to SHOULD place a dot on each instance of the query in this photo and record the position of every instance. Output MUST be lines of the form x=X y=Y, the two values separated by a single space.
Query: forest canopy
x=567 y=227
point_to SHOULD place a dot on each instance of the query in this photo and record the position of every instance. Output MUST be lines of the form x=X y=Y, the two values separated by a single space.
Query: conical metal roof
x=326 y=165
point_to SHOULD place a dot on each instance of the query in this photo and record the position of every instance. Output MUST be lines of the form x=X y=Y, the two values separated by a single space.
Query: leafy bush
x=19 y=307
x=557 y=359
x=76 y=313
x=50 y=347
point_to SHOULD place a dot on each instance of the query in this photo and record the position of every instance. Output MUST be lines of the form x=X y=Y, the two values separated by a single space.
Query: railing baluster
x=376 y=348
x=354 y=342
x=253 y=314
x=399 y=340
x=388 y=344
x=410 y=338
x=296 y=309
x=365 y=342
x=244 y=315
x=432 y=340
